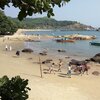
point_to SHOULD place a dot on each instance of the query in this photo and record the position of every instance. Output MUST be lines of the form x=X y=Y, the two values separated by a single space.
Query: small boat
x=65 y=40
x=95 y=43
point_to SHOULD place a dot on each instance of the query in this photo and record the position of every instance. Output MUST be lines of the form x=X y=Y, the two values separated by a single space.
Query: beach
x=51 y=86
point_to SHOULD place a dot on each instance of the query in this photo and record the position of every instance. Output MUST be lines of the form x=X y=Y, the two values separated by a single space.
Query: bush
x=14 y=88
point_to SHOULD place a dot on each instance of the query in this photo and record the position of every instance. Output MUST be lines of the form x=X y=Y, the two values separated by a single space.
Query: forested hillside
x=49 y=23
x=7 y=25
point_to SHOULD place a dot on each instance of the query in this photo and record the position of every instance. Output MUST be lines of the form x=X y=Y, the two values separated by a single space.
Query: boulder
x=61 y=50
x=80 y=37
x=30 y=40
x=44 y=53
x=47 y=61
x=96 y=73
x=27 y=50
x=96 y=58
x=76 y=62
x=98 y=54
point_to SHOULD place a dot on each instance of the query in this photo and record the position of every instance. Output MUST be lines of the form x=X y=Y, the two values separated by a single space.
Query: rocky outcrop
x=47 y=61
x=27 y=50
x=80 y=37
x=76 y=62
x=61 y=50
x=96 y=58
x=44 y=53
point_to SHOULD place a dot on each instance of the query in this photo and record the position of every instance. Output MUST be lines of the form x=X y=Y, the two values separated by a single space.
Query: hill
x=49 y=23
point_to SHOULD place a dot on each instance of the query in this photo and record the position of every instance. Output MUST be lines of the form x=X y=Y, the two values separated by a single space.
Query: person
x=51 y=68
x=10 y=48
x=85 y=68
x=60 y=65
x=80 y=68
x=6 y=47
x=69 y=71
x=18 y=53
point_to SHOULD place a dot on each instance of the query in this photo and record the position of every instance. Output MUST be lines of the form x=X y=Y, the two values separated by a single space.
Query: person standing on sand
x=69 y=71
x=60 y=65
x=51 y=68
x=6 y=47
x=10 y=48
x=85 y=68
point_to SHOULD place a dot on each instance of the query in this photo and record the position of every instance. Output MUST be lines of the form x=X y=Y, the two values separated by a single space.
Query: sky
x=83 y=11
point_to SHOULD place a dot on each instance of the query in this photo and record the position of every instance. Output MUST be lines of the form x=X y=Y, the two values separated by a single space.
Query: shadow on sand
x=62 y=75
x=31 y=75
x=66 y=75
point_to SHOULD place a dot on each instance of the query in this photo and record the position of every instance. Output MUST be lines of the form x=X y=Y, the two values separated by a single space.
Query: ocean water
x=80 y=48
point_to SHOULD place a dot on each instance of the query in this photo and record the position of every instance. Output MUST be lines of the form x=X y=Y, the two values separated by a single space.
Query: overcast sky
x=83 y=11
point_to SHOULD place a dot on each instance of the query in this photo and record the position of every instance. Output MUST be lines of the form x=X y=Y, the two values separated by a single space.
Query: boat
x=69 y=40
x=63 y=40
x=95 y=43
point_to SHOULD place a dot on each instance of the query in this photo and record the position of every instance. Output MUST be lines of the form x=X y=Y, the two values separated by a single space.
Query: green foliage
x=7 y=26
x=14 y=88
x=43 y=23
x=4 y=3
x=30 y=7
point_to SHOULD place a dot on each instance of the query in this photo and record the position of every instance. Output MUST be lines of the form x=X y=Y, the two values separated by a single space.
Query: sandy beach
x=52 y=86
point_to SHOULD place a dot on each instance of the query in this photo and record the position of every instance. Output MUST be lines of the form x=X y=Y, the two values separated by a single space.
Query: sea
x=81 y=48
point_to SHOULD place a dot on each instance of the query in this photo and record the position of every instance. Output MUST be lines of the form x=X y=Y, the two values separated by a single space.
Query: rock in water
x=27 y=50
x=96 y=58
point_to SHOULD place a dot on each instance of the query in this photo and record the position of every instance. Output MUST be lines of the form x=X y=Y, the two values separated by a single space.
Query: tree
x=14 y=88
x=30 y=7
x=7 y=26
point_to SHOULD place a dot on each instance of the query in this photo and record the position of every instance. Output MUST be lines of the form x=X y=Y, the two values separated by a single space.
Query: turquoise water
x=79 y=48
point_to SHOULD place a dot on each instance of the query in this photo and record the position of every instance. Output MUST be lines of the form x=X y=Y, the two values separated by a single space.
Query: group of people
x=79 y=68
x=59 y=66
x=10 y=49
